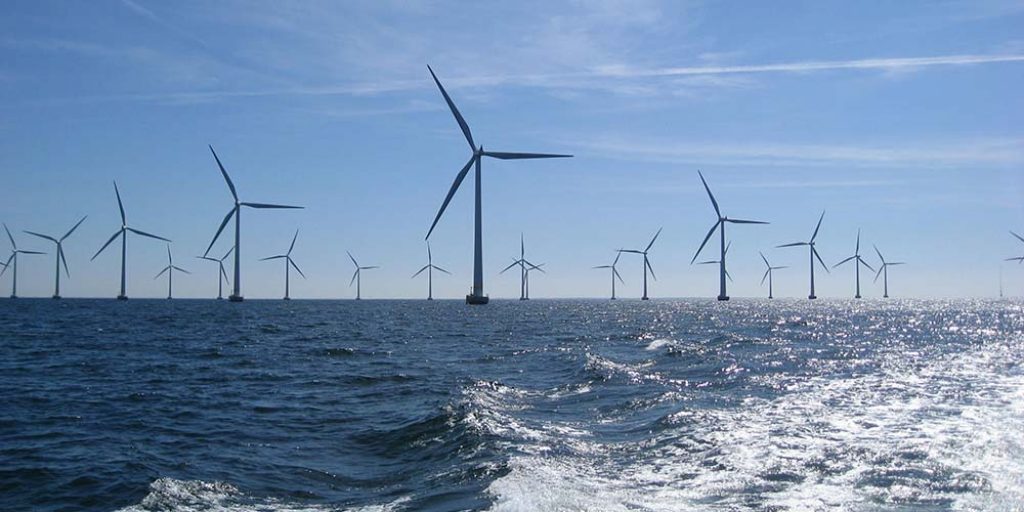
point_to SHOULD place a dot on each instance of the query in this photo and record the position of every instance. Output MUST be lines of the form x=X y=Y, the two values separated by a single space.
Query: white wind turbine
x=813 y=253
x=768 y=274
x=60 y=254
x=858 y=261
x=12 y=262
x=884 y=271
x=430 y=268
x=170 y=269
x=123 y=233
x=222 y=276
x=477 y=294
x=357 y=277
x=614 y=272
x=647 y=262
x=288 y=262
x=523 y=269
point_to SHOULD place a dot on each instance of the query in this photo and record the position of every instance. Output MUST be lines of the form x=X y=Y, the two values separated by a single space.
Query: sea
x=541 y=405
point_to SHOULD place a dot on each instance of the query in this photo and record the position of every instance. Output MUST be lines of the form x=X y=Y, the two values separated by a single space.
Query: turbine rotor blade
x=296 y=267
x=794 y=244
x=616 y=272
x=766 y=272
x=227 y=178
x=220 y=229
x=603 y=266
x=514 y=263
x=815 y=251
x=112 y=238
x=714 y=203
x=64 y=260
x=354 y=262
x=1018 y=236
x=370 y=267
x=502 y=155
x=769 y=265
x=632 y=251
x=10 y=237
x=29 y=252
x=879 y=253
x=455 y=111
x=705 y=242
x=72 y=230
x=879 y=273
x=274 y=257
x=120 y=206
x=653 y=239
x=451 y=192
x=862 y=262
x=816 y=228
x=441 y=269
x=649 y=267
x=420 y=271
x=50 y=238
x=275 y=206
x=293 y=241
x=231 y=250
x=742 y=221
x=179 y=269
x=354 y=276
x=844 y=261
x=162 y=272
x=143 y=233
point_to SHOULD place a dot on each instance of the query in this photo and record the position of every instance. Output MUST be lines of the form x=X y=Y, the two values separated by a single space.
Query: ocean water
x=587 y=405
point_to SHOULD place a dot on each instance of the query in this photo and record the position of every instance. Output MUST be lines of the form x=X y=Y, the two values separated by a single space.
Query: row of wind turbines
x=476 y=295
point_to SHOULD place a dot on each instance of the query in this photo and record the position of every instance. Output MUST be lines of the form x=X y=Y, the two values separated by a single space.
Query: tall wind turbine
x=170 y=269
x=236 y=211
x=858 y=261
x=222 y=276
x=884 y=271
x=719 y=225
x=288 y=262
x=615 y=272
x=60 y=254
x=768 y=274
x=123 y=233
x=12 y=262
x=430 y=268
x=813 y=253
x=477 y=295
x=357 y=277
x=647 y=262
x=523 y=270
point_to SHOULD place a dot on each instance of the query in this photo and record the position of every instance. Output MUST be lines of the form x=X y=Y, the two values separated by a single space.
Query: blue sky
x=899 y=118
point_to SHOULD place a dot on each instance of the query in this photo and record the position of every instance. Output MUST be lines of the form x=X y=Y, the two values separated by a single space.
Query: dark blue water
x=544 y=405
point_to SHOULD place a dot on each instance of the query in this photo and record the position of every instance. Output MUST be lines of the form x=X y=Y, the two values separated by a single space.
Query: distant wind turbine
x=884 y=271
x=60 y=254
x=813 y=253
x=647 y=262
x=288 y=262
x=477 y=295
x=236 y=211
x=430 y=268
x=719 y=262
x=170 y=269
x=357 y=277
x=123 y=233
x=222 y=276
x=523 y=270
x=768 y=274
x=614 y=272
x=858 y=261
x=530 y=268
x=720 y=225
x=12 y=262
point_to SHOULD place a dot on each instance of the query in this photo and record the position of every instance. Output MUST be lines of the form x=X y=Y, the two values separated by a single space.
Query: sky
x=900 y=119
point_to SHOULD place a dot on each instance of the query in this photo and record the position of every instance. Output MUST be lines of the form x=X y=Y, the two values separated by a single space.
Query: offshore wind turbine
x=647 y=262
x=357 y=277
x=430 y=268
x=523 y=271
x=477 y=294
x=768 y=274
x=60 y=254
x=813 y=253
x=719 y=225
x=858 y=261
x=615 y=272
x=12 y=262
x=530 y=268
x=884 y=271
x=236 y=211
x=123 y=233
x=288 y=262
x=170 y=269
x=222 y=275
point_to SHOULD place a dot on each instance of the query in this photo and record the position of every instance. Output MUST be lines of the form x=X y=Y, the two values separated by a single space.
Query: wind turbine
x=768 y=274
x=813 y=253
x=884 y=271
x=430 y=268
x=647 y=262
x=615 y=272
x=357 y=276
x=170 y=269
x=288 y=261
x=123 y=233
x=236 y=211
x=477 y=295
x=222 y=275
x=60 y=254
x=523 y=292
x=720 y=225
x=858 y=261
x=12 y=262
x=531 y=267
x=719 y=262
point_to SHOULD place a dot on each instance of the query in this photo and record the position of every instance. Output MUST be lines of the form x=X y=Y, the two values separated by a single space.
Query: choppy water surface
x=545 y=405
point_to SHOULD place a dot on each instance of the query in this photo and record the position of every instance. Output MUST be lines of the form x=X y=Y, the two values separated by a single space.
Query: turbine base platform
x=236 y=298
x=811 y=297
x=477 y=299
x=430 y=298
x=55 y=297
x=524 y=298
x=122 y=297
x=645 y=298
x=723 y=297
x=220 y=298
x=14 y=296
x=287 y=298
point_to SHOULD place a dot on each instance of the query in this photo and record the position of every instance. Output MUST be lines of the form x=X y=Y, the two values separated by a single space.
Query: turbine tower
x=123 y=233
x=647 y=262
x=170 y=269
x=236 y=211
x=12 y=262
x=813 y=253
x=615 y=272
x=768 y=274
x=858 y=262
x=288 y=262
x=60 y=254
x=477 y=294
x=357 y=277
x=884 y=271
x=719 y=225
x=430 y=268
x=222 y=275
